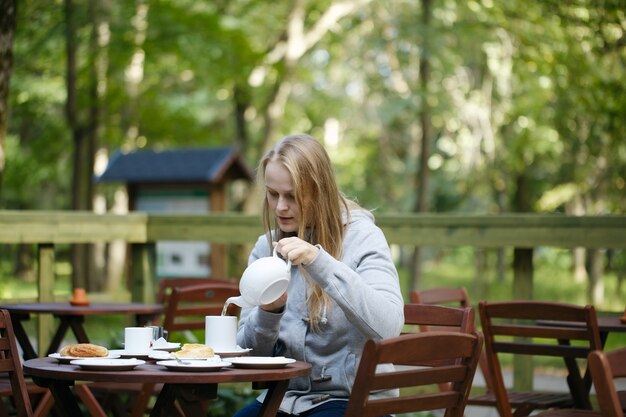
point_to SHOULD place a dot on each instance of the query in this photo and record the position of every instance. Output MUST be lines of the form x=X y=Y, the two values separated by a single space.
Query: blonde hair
x=320 y=203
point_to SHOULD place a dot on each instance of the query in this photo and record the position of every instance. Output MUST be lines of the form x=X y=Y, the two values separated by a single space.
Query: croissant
x=84 y=350
x=194 y=351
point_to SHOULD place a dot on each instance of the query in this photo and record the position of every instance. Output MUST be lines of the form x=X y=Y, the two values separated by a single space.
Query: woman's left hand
x=297 y=250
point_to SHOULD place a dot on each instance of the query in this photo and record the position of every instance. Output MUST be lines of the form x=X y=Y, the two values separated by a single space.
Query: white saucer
x=233 y=353
x=68 y=359
x=260 y=362
x=193 y=365
x=125 y=354
x=160 y=355
x=107 y=364
x=168 y=346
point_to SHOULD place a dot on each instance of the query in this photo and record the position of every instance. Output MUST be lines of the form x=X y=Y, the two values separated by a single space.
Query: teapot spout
x=240 y=301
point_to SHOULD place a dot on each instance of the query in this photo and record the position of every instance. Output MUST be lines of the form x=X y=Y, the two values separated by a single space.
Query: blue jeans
x=329 y=409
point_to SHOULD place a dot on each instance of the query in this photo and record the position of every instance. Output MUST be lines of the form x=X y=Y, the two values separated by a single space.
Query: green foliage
x=514 y=89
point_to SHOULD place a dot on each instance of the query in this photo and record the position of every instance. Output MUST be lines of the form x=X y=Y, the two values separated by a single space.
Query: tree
x=8 y=13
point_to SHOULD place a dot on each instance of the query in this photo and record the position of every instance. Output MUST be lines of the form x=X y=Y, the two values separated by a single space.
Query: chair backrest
x=442 y=318
x=539 y=328
x=605 y=368
x=187 y=306
x=455 y=297
x=11 y=364
x=449 y=358
x=167 y=285
x=444 y=295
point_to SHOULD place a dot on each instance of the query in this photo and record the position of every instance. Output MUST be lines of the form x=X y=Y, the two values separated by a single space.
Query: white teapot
x=263 y=282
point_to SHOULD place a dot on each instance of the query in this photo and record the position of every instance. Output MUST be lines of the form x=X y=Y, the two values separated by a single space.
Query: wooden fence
x=141 y=231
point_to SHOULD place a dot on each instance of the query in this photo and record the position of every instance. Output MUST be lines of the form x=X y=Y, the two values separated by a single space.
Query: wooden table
x=608 y=324
x=186 y=387
x=72 y=317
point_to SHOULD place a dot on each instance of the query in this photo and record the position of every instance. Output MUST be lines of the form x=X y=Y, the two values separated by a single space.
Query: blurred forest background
x=472 y=106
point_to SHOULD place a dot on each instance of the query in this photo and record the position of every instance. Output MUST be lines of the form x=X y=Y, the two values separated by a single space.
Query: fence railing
x=141 y=231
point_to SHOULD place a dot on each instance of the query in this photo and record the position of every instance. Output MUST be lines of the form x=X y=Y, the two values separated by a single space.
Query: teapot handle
x=275 y=254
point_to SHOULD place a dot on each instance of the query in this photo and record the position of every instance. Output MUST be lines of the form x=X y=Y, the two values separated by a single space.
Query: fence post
x=143 y=272
x=45 y=293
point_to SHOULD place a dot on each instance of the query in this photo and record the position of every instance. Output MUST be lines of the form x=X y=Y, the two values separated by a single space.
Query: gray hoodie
x=367 y=304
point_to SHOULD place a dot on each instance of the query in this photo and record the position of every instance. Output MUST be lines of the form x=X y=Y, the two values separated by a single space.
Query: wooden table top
x=50 y=368
x=66 y=309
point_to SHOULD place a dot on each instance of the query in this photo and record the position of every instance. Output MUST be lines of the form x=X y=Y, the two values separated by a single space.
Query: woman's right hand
x=276 y=306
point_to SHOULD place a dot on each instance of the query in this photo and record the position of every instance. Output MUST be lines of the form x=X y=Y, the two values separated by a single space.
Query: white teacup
x=220 y=332
x=263 y=282
x=137 y=339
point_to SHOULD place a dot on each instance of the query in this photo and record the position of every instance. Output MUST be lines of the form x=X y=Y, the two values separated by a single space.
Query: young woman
x=344 y=286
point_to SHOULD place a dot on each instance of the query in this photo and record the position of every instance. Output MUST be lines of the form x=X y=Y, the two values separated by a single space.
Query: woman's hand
x=297 y=250
x=277 y=306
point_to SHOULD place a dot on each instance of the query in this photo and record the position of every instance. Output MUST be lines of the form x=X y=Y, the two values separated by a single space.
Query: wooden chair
x=166 y=287
x=185 y=309
x=443 y=318
x=605 y=368
x=539 y=328
x=188 y=306
x=15 y=385
x=431 y=316
x=457 y=297
x=433 y=358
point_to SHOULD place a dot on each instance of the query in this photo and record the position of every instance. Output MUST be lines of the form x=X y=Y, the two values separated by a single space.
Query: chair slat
x=548 y=331
x=419 y=377
x=408 y=404
x=541 y=349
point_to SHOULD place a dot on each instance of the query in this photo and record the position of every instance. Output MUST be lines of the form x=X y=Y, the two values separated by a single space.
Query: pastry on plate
x=194 y=351
x=84 y=350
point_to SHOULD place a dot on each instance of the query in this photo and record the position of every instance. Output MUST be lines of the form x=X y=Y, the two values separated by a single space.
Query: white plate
x=168 y=346
x=68 y=359
x=125 y=354
x=260 y=362
x=193 y=365
x=107 y=364
x=160 y=355
x=233 y=353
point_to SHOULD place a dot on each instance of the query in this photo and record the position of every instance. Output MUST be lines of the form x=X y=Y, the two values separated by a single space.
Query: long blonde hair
x=320 y=203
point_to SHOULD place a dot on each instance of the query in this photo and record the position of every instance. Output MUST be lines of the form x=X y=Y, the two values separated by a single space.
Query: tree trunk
x=8 y=15
x=595 y=270
x=522 y=283
x=423 y=178
x=95 y=252
x=79 y=259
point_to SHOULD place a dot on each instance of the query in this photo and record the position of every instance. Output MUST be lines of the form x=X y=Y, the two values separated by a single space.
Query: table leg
x=58 y=337
x=275 y=393
x=165 y=402
x=194 y=398
x=22 y=336
x=76 y=323
x=578 y=386
x=65 y=403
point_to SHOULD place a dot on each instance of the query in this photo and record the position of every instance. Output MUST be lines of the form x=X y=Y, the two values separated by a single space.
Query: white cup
x=220 y=332
x=137 y=339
